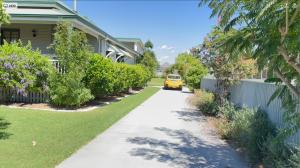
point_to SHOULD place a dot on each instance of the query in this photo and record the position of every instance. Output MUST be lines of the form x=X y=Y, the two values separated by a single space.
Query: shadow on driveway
x=189 y=115
x=185 y=150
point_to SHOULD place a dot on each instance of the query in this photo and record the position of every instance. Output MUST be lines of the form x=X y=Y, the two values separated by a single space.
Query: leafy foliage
x=269 y=29
x=149 y=44
x=190 y=68
x=99 y=75
x=72 y=50
x=23 y=69
x=149 y=61
x=194 y=76
x=106 y=77
x=4 y=17
x=228 y=67
x=205 y=101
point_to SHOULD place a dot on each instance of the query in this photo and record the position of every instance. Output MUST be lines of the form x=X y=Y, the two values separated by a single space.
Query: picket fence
x=13 y=96
x=255 y=93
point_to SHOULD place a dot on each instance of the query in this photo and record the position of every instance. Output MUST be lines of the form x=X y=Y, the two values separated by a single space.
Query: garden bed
x=84 y=108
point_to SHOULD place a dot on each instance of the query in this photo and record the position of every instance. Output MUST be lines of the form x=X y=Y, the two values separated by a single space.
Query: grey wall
x=43 y=37
x=254 y=94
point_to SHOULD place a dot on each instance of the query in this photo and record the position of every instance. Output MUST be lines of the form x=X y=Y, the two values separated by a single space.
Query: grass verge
x=156 y=82
x=57 y=135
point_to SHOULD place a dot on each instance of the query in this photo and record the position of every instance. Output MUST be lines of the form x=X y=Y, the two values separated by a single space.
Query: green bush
x=190 y=68
x=100 y=76
x=23 y=69
x=194 y=76
x=122 y=81
x=227 y=110
x=205 y=102
x=106 y=77
x=68 y=90
x=73 y=52
x=253 y=130
x=140 y=76
x=261 y=129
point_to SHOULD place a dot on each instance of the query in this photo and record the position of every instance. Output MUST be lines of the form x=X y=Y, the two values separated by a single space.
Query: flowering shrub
x=23 y=69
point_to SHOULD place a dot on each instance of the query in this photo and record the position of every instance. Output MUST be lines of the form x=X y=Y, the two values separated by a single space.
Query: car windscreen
x=173 y=77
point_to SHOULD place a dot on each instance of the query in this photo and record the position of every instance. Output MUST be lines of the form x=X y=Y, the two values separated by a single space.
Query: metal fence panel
x=254 y=94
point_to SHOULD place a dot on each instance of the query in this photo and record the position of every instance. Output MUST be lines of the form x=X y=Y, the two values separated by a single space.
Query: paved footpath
x=163 y=132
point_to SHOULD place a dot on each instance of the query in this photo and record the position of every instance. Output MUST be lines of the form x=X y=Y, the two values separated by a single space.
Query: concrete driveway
x=162 y=132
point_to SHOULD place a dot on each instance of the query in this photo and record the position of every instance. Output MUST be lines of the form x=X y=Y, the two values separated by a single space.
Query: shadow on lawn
x=3 y=125
x=185 y=150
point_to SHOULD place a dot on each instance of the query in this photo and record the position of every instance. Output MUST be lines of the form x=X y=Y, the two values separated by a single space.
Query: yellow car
x=173 y=81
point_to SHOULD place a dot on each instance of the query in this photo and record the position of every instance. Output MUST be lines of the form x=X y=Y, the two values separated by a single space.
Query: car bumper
x=173 y=86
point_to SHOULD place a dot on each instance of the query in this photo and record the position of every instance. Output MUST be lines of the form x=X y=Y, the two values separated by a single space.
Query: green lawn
x=58 y=135
x=156 y=82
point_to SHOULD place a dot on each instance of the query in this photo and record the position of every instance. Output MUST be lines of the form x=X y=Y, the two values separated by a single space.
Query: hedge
x=105 y=77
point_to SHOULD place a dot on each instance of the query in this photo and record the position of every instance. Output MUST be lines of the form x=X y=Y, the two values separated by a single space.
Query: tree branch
x=292 y=88
x=295 y=14
x=282 y=51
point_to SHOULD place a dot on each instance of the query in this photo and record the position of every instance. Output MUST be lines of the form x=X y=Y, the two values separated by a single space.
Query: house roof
x=134 y=40
x=56 y=9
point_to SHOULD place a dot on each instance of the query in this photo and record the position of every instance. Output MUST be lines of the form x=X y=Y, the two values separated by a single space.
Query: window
x=10 y=35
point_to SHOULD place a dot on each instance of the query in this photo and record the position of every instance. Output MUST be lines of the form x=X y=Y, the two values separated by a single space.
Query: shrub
x=106 y=77
x=204 y=101
x=227 y=110
x=72 y=51
x=261 y=130
x=294 y=160
x=122 y=78
x=254 y=131
x=139 y=76
x=68 y=90
x=191 y=69
x=23 y=69
x=100 y=76
x=194 y=76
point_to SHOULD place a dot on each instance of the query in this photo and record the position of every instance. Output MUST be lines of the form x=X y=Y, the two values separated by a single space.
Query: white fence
x=255 y=93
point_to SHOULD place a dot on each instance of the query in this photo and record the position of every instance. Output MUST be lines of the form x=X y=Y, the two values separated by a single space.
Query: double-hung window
x=10 y=35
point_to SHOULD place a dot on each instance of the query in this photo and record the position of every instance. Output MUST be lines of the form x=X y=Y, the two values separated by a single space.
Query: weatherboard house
x=35 y=21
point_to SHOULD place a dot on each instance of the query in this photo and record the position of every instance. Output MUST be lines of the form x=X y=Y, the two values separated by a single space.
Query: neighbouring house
x=35 y=21
x=135 y=44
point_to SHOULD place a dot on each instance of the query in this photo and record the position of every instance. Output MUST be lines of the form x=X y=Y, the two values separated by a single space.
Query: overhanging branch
x=292 y=88
x=283 y=52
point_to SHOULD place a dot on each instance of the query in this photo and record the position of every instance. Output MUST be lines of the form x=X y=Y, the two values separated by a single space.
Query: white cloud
x=166 y=47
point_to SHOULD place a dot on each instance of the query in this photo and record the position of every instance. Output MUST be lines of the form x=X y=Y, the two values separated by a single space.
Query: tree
x=149 y=61
x=226 y=67
x=191 y=69
x=4 y=17
x=271 y=30
x=149 y=45
x=183 y=62
x=73 y=52
x=149 y=58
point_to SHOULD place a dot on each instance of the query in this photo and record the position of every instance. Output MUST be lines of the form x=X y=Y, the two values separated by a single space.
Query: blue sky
x=172 y=26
